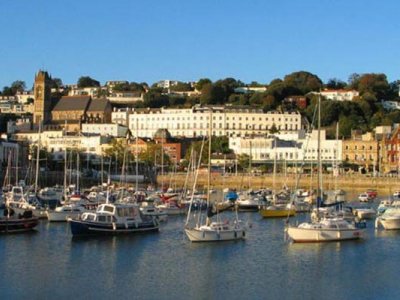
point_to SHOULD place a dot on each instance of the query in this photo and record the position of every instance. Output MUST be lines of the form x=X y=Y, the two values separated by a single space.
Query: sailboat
x=323 y=228
x=280 y=206
x=210 y=230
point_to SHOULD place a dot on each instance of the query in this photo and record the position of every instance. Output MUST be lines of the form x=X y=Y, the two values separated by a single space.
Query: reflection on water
x=50 y=264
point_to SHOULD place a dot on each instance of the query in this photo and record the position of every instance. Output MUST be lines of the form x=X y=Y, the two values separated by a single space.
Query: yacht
x=111 y=219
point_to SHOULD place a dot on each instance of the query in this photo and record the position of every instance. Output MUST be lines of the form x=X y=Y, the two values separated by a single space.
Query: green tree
x=375 y=84
x=155 y=99
x=303 y=81
x=212 y=94
x=243 y=161
x=335 y=84
x=152 y=155
x=86 y=81
x=118 y=150
x=199 y=85
x=18 y=86
x=181 y=87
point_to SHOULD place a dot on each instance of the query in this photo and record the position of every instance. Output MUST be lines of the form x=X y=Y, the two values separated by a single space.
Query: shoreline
x=386 y=185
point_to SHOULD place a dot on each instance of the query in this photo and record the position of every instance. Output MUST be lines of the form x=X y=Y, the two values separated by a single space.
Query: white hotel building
x=302 y=148
x=195 y=121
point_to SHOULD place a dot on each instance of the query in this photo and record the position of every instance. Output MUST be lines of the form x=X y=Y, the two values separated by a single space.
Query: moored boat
x=111 y=219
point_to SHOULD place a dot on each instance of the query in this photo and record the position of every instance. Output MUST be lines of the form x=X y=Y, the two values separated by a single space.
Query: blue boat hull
x=96 y=228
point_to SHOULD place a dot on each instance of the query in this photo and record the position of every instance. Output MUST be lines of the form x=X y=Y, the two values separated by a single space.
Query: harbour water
x=49 y=264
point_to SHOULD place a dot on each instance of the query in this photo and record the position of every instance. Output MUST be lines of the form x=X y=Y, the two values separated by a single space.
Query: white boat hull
x=390 y=223
x=63 y=216
x=199 y=235
x=304 y=235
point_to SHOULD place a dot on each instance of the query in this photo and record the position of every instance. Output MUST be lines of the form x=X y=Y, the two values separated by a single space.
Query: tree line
x=365 y=112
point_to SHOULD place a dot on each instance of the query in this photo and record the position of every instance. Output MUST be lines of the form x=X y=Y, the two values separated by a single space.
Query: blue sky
x=188 y=40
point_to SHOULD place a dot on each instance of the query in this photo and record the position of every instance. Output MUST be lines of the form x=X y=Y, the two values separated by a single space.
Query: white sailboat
x=210 y=230
x=326 y=228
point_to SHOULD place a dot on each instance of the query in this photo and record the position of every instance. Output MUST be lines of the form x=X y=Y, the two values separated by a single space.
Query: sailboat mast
x=320 y=189
x=209 y=159
x=137 y=156
x=37 y=158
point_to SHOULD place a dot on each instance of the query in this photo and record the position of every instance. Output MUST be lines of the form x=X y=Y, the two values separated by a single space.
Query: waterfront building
x=106 y=129
x=226 y=121
x=303 y=148
x=391 y=151
x=362 y=150
x=57 y=141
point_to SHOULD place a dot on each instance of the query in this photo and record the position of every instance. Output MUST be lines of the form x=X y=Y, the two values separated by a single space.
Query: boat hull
x=79 y=227
x=54 y=216
x=198 y=235
x=308 y=235
x=17 y=225
x=38 y=213
x=390 y=223
x=278 y=213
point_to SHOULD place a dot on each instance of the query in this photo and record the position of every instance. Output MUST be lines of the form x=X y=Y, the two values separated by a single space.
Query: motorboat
x=390 y=219
x=325 y=230
x=216 y=231
x=278 y=211
x=365 y=213
x=65 y=212
x=148 y=209
x=16 y=223
x=111 y=219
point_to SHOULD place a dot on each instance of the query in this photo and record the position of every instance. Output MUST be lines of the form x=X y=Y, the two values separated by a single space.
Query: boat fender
x=114 y=226
x=136 y=224
x=126 y=225
x=235 y=234
x=204 y=234
x=377 y=221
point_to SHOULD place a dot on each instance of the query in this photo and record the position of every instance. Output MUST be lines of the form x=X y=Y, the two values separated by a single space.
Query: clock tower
x=42 y=104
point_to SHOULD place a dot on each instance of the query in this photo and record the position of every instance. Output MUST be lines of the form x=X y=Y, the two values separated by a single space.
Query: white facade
x=125 y=97
x=339 y=95
x=56 y=141
x=114 y=130
x=391 y=105
x=121 y=116
x=302 y=149
x=87 y=91
x=226 y=121
x=166 y=84
x=250 y=89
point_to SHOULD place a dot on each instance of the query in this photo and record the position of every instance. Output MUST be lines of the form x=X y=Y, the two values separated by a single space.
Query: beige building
x=362 y=150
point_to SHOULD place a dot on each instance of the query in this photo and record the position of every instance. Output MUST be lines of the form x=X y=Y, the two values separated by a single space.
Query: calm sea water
x=49 y=264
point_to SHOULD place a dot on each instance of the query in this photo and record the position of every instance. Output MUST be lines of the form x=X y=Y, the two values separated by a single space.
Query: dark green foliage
x=86 y=81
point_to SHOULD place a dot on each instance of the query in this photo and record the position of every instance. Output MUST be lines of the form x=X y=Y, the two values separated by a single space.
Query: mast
x=37 y=159
x=162 y=163
x=209 y=163
x=320 y=188
x=137 y=156
x=65 y=169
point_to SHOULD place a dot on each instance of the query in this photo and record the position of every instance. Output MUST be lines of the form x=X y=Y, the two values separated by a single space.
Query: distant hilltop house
x=250 y=89
x=296 y=102
x=390 y=105
x=166 y=84
x=339 y=95
x=69 y=111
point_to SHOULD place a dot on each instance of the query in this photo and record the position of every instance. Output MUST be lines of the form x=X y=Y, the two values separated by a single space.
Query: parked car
x=364 y=197
x=372 y=193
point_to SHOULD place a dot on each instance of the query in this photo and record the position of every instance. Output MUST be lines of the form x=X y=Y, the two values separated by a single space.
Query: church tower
x=42 y=104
